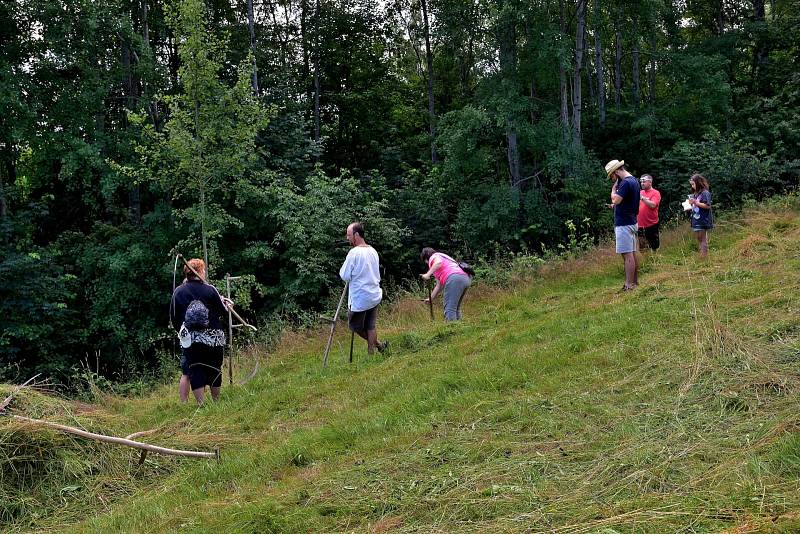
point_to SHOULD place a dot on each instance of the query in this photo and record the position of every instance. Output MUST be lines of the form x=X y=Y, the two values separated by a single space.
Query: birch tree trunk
x=635 y=61
x=577 y=78
x=3 y=206
x=304 y=45
x=145 y=24
x=316 y=71
x=508 y=66
x=617 y=63
x=599 y=65
x=251 y=28
x=761 y=52
x=562 y=76
x=429 y=62
x=651 y=75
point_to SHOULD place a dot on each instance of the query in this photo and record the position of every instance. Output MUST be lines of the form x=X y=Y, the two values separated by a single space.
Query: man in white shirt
x=361 y=271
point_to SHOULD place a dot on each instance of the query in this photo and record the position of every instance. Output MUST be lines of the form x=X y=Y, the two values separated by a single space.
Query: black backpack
x=196 y=317
x=467 y=268
x=464 y=266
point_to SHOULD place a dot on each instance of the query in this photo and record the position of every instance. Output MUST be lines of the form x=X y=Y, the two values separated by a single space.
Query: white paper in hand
x=686 y=205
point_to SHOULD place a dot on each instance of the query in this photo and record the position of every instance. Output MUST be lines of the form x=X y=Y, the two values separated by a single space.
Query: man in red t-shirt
x=647 y=220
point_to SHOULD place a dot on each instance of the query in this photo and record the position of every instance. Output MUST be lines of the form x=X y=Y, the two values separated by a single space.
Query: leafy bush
x=732 y=165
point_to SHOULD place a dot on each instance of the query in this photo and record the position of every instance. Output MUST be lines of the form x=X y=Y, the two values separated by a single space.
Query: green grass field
x=557 y=405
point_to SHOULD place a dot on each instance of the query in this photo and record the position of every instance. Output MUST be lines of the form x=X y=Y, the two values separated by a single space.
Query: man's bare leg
x=638 y=260
x=630 y=269
x=199 y=394
x=183 y=388
x=372 y=341
x=215 y=393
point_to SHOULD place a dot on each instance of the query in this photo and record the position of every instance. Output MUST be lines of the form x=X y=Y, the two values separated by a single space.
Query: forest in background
x=253 y=132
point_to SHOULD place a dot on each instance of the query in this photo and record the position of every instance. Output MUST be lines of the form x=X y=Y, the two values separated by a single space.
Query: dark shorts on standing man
x=650 y=233
x=203 y=365
x=363 y=320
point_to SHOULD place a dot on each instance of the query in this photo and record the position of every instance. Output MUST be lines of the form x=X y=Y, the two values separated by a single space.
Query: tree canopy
x=251 y=133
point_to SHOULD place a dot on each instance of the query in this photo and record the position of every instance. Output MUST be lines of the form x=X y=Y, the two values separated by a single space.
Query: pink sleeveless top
x=449 y=266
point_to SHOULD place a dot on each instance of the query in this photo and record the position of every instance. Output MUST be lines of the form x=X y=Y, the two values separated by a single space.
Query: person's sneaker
x=383 y=346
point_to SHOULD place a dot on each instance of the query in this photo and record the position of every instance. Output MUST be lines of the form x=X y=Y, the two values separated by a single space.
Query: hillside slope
x=557 y=405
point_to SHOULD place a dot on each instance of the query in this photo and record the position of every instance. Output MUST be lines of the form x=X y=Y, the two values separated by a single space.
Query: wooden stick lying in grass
x=142 y=433
x=19 y=388
x=118 y=441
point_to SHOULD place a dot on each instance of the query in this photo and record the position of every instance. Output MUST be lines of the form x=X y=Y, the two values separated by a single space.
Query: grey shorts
x=626 y=238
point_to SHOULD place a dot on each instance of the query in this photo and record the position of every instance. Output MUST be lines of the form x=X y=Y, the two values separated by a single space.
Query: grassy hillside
x=557 y=405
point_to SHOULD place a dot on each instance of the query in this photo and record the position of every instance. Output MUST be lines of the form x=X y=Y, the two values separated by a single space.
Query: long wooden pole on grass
x=116 y=440
x=333 y=326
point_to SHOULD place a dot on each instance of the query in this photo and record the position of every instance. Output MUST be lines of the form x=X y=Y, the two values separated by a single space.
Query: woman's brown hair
x=426 y=254
x=700 y=182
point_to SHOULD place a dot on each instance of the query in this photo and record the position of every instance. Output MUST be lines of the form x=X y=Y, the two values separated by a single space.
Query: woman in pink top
x=450 y=278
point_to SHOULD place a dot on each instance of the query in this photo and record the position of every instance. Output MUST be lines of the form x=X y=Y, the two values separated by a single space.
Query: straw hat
x=613 y=165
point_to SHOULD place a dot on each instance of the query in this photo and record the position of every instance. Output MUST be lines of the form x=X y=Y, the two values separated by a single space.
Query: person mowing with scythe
x=361 y=271
x=450 y=278
x=196 y=311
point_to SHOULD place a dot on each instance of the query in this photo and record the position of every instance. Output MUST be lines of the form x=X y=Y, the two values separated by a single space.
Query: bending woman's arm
x=437 y=264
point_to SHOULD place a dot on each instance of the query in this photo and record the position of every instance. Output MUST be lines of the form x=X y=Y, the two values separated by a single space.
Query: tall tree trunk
x=577 y=94
x=316 y=70
x=719 y=26
x=635 y=61
x=651 y=74
x=671 y=16
x=507 y=34
x=127 y=81
x=599 y=65
x=618 y=62
x=6 y=170
x=429 y=61
x=145 y=24
x=152 y=106
x=467 y=63
x=252 y=29
x=590 y=84
x=562 y=75
x=174 y=59
x=761 y=53
x=304 y=45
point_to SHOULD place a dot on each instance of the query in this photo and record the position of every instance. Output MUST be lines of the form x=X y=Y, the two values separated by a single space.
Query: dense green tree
x=254 y=132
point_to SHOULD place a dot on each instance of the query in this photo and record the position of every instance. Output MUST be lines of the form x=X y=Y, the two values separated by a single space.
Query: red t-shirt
x=648 y=216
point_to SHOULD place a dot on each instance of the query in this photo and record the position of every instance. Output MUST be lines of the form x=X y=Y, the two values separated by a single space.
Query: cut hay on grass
x=557 y=405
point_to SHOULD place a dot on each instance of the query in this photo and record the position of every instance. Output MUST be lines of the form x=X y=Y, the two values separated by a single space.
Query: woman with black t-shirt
x=201 y=342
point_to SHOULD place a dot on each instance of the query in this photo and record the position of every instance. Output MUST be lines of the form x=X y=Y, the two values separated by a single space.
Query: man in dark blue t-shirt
x=625 y=195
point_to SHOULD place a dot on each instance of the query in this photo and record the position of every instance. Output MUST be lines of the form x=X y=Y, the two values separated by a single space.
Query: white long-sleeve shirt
x=361 y=271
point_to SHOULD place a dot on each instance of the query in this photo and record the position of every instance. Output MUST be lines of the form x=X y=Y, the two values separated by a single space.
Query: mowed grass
x=557 y=405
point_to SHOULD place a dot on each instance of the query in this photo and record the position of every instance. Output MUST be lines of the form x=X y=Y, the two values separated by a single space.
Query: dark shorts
x=203 y=365
x=650 y=234
x=184 y=363
x=363 y=320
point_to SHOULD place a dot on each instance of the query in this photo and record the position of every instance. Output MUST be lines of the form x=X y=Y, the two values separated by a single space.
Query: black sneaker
x=382 y=347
